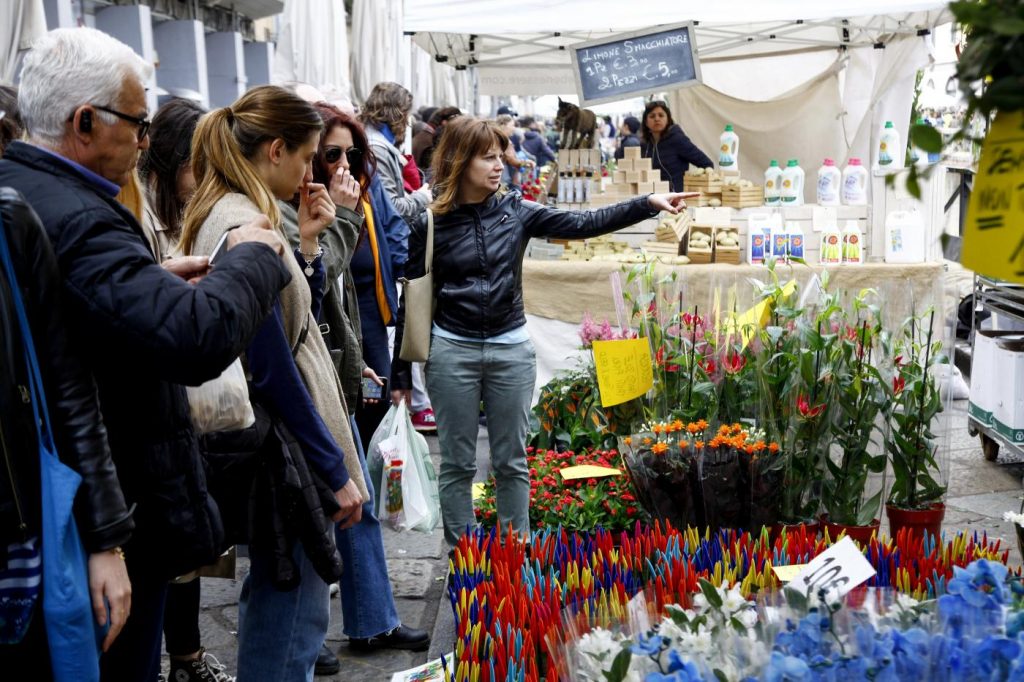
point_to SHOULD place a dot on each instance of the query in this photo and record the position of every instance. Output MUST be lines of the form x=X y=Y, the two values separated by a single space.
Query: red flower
x=709 y=367
x=734 y=363
x=805 y=409
x=898 y=384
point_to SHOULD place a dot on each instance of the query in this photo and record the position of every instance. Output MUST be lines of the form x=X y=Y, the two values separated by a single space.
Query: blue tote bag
x=67 y=607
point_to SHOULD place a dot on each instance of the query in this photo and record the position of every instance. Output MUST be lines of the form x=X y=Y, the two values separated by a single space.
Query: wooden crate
x=735 y=196
x=727 y=254
x=704 y=199
x=701 y=256
x=708 y=184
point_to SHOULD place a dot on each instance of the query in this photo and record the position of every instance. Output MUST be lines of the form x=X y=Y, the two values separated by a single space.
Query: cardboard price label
x=837 y=570
x=587 y=471
x=993 y=239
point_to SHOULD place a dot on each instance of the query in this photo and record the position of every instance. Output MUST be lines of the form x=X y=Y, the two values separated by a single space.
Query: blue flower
x=981 y=584
x=1015 y=623
x=648 y=646
x=676 y=663
x=782 y=668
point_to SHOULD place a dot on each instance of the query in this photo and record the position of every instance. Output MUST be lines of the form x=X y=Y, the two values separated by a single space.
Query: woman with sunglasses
x=668 y=147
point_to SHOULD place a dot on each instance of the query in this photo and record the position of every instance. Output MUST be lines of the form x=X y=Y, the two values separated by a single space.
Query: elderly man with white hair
x=146 y=329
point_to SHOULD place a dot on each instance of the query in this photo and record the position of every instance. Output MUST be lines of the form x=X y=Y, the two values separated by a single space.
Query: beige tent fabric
x=21 y=22
x=800 y=124
x=565 y=290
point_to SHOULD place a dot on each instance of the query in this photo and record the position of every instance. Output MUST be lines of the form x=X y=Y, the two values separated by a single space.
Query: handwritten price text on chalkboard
x=627 y=65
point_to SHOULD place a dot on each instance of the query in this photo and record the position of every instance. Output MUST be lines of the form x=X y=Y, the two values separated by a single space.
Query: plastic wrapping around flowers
x=521 y=606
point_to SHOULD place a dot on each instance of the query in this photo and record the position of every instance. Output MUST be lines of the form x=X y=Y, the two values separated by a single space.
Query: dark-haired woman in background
x=668 y=147
x=165 y=172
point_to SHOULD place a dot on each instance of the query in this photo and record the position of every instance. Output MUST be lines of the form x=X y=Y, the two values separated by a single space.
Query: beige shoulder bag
x=419 y=306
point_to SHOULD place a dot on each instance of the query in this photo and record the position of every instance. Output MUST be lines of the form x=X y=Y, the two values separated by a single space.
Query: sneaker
x=205 y=668
x=401 y=637
x=423 y=421
x=326 y=662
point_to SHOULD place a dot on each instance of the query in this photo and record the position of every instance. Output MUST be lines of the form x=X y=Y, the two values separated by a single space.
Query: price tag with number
x=836 y=571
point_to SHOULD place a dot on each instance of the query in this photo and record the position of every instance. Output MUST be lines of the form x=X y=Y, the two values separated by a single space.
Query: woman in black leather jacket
x=480 y=348
x=103 y=519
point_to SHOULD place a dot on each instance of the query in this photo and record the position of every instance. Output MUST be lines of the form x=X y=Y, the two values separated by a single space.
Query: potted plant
x=915 y=498
x=663 y=463
x=857 y=452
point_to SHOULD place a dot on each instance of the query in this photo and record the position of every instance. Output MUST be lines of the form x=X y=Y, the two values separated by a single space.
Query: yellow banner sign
x=624 y=369
x=993 y=238
x=588 y=471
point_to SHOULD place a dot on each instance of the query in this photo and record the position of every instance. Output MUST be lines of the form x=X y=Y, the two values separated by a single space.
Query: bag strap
x=429 y=264
x=42 y=417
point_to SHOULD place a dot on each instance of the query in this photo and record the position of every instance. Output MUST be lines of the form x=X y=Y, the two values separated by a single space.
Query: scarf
x=378 y=278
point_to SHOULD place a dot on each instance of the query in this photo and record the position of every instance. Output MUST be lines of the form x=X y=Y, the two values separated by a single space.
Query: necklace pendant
x=309 y=271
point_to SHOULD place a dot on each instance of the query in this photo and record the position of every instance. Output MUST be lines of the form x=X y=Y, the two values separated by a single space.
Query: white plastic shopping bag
x=222 y=404
x=408 y=497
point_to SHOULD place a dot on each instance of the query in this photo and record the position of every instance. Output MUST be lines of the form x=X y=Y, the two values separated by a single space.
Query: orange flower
x=647 y=440
x=683 y=444
x=628 y=440
x=702 y=425
x=659 y=448
x=692 y=428
x=677 y=425
x=699 y=445
x=773 y=448
x=657 y=428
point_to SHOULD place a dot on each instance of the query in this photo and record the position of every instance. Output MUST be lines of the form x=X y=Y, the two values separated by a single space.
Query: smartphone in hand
x=371 y=391
x=221 y=248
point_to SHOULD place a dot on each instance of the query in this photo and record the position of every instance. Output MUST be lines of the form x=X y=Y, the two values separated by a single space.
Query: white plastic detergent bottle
x=729 y=150
x=772 y=184
x=830 y=181
x=890 y=153
x=918 y=156
x=795 y=240
x=779 y=239
x=831 y=252
x=904 y=237
x=855 y=183
x=853 y=244
x=792 y=184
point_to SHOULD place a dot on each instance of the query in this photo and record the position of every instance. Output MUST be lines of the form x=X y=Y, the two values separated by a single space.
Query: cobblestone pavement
x=979 y=493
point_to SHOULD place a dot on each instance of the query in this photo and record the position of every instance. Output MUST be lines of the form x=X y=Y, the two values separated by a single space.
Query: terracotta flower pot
x=859 y=534
x=916 y=521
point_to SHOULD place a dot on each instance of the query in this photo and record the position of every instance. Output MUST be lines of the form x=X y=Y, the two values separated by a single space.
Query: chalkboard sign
x=630 y=64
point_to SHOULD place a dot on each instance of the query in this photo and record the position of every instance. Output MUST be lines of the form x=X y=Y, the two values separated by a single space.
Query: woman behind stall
x=480 y=348
x=668 y=147
x=245 y=158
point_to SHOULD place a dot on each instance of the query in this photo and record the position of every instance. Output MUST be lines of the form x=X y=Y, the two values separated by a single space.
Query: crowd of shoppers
x=153 y=254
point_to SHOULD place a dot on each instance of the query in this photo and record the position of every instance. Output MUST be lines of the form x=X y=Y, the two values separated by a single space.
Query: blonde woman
x=246 y=157
x=480 y=348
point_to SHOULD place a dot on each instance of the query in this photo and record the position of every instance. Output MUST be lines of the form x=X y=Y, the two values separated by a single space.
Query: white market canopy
x=814 y=78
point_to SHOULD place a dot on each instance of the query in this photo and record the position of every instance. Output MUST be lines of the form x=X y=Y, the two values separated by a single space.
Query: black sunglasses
x=142 y=123
x=354 y=156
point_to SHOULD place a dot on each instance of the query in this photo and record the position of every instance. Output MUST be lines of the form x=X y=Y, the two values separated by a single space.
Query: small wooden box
x=727 y=254
x=574 y=158
x=645 y=187
x=662 y=186
x=705 y=199
x=619 y=176
x=650 y=176
x=709 y=184
x=642 y=164
x=563 y=158
x=735 y=196
x=624 y=164
x=632 y=152
x=632 y=176
x=698 y=255
x=590 y=157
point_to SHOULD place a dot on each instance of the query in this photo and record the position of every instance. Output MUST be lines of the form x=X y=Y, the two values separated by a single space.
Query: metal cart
x=1007 y=299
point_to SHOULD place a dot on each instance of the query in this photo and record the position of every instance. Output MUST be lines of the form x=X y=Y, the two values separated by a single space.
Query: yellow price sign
x=624 y=369
x=746 y=324
x=588 y=471
x=993 y=238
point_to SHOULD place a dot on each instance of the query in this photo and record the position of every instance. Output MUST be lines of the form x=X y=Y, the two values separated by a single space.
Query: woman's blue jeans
x=367 y=604
x=459 y=375
x=280 y=633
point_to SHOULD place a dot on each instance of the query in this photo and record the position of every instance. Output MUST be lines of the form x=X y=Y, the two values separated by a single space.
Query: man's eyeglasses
x=142 y=123
x=332 y=155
